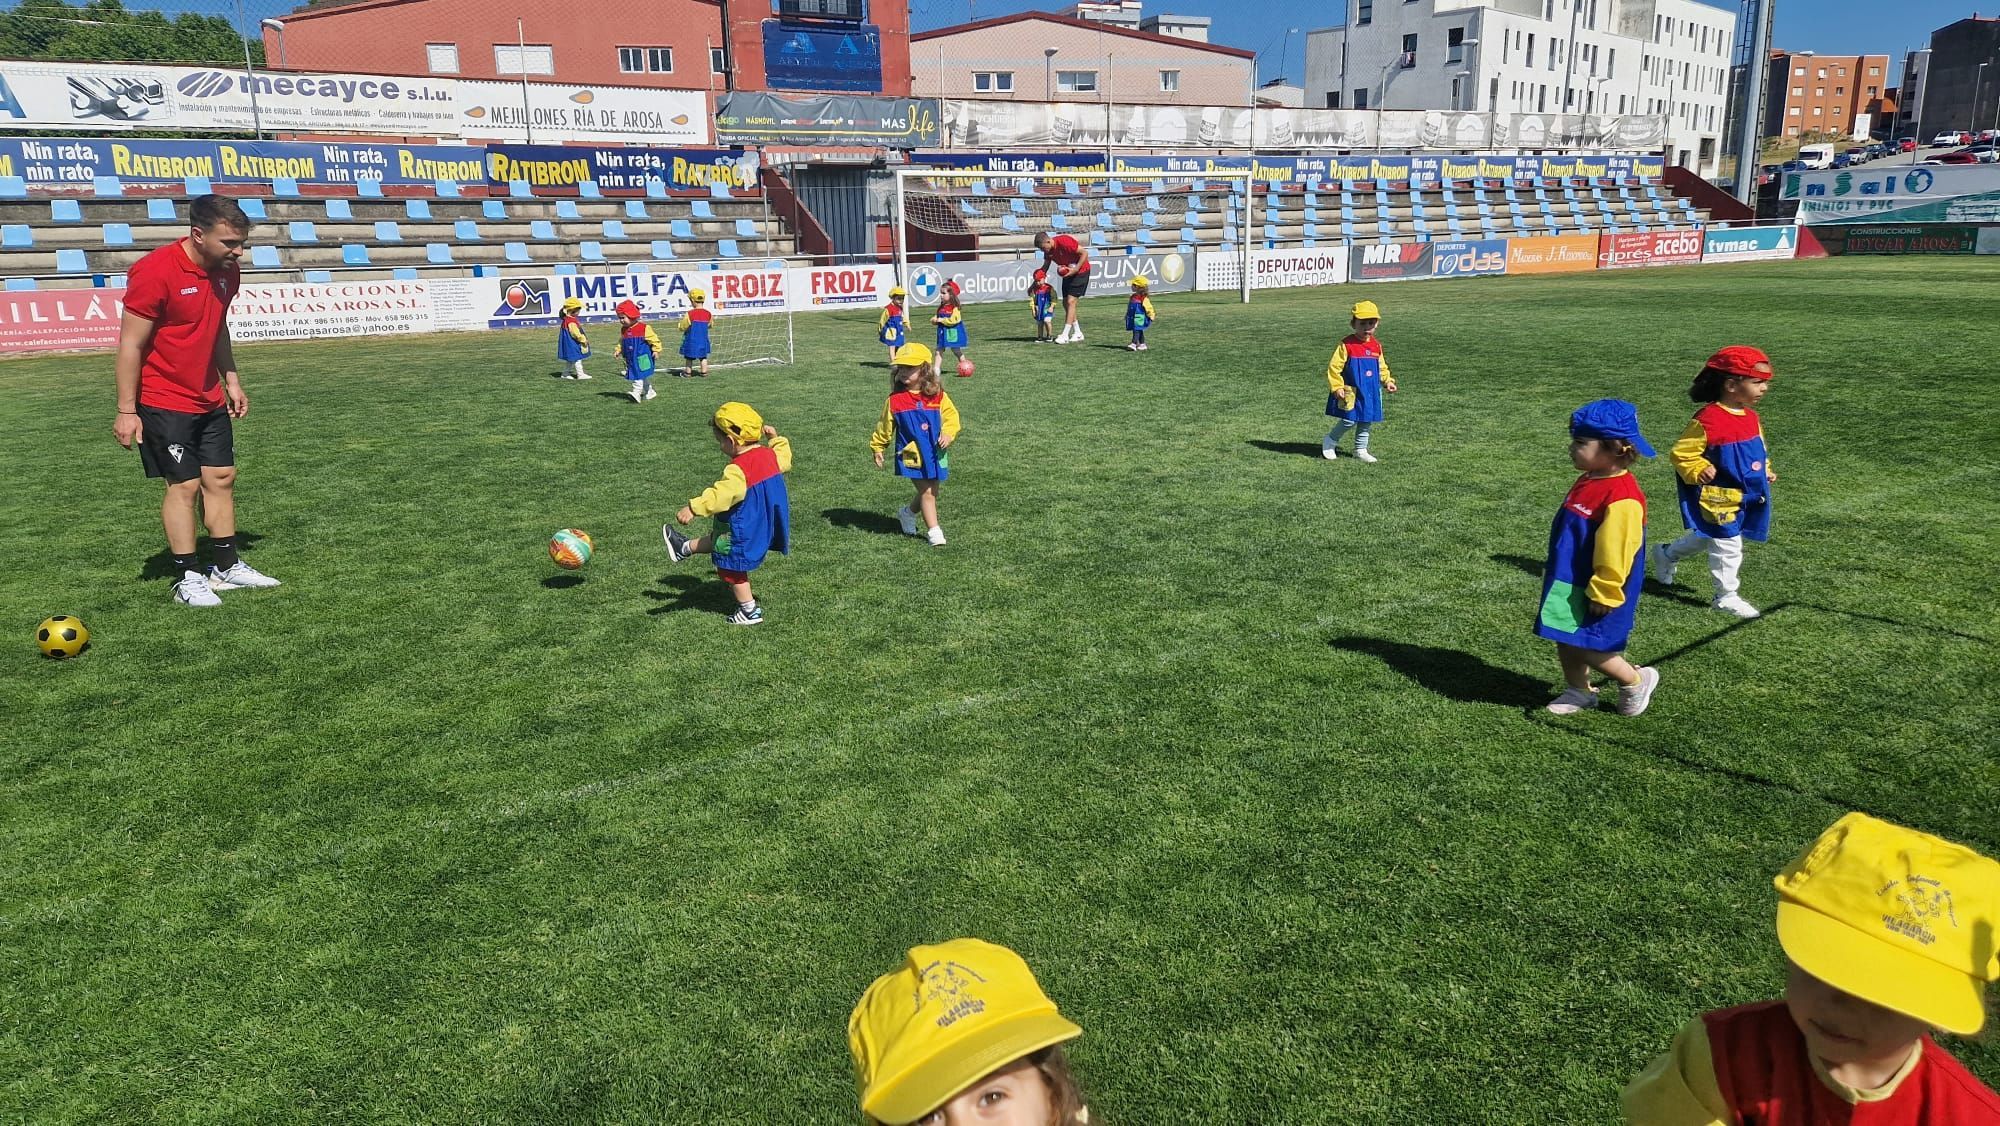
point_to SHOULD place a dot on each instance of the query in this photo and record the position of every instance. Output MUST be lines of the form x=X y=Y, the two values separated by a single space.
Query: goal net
x=960 y=221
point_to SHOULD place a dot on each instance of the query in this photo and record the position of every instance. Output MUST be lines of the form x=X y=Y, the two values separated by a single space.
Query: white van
x=1817 y=156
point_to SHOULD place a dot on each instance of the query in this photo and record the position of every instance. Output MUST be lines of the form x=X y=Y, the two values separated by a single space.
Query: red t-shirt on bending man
x=187 y=306
x=1064 y=251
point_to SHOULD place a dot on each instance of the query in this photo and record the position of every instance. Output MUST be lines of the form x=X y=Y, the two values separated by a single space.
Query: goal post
x=967 y=214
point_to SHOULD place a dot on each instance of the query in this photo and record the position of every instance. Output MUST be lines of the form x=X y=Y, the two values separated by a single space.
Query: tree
x=104 y=31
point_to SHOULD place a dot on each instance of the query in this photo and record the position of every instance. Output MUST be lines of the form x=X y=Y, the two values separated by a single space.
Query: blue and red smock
x=1357 y=374
x=915 y=424
x=1597 y=548
x=1738 y=501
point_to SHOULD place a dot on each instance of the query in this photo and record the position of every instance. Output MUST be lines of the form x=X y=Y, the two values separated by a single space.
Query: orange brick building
x=1823 y=94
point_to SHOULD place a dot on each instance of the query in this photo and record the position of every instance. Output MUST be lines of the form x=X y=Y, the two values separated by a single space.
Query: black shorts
x=1076 y=285
x=176 y=445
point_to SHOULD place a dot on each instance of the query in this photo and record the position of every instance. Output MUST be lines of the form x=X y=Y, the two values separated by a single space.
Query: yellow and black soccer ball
x=62 y=637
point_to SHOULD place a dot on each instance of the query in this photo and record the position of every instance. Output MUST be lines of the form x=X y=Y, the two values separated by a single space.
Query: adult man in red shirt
x=178 y=391
x=1072 y=262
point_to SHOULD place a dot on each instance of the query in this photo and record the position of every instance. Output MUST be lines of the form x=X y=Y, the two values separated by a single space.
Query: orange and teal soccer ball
x=62 y=637
x=570 y=548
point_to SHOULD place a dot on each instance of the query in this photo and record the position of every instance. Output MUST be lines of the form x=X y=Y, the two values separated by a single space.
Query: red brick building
x=677 y=44
x=1823 y=94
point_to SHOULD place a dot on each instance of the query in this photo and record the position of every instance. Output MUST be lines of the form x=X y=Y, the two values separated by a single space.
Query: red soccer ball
x=964 y=367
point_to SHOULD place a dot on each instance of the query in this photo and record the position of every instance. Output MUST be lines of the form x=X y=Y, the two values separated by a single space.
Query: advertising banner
x=100 y=96
x=1927 y=238
x=1328 y=171
x=60 y=320
x=1749 y=244
x=356 y=308
x=1469 y=259
x=835 y=59
x=75 y=161
x=1392 y=261
x=1650 y=248
x=766 y=119
x=544 y=112
x=620 y=169
x=1950 y=193
x=534 y=300
x=982 y=282
x=1552 y=254
x=840 y=287
x=1276 y=269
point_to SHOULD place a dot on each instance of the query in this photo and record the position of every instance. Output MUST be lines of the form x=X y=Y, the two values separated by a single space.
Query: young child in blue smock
x=1139 y=314
x=571 y=346
x=694 y=334
x=1356 y=377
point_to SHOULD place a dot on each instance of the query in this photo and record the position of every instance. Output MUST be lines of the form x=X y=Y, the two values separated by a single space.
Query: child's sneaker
x=1134 y=346
x=583 y=375
x=677 y=544
x=1734 y=604
x=652 y=394
x=908 y=520
x=1364 y=455
x=238 y=576
x=193 y=590
x=1328 y=450
x=936 y=536
x=1663 y=565
x=637 y=395
x=1634 y=700
x=754 y=616
x=1572 y=701
x=1142 y=347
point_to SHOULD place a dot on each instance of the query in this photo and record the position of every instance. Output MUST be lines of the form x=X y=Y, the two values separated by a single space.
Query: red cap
x=951 y=287
x=1743 y=361
x=629 y=309
x=1041 y=274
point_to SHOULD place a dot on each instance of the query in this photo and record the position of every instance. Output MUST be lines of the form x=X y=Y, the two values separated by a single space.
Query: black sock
x=224 y=551
x=183 y=563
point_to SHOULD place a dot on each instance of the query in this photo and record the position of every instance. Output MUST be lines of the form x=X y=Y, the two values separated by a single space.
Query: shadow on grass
x=562 y=582
x=686 y=592
x=1295 y=449
x=1451 y=673
x=1528 y=566
x=1898 y=623
x=861 y=521
x=160 y=565
x=625 y=395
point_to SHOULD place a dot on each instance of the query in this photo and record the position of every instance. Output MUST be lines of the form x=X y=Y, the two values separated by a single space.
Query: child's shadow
x=690 y=593
x=863 y=521
x=1300 y=449
x=1451 y=673
x=160 y=565
x=626 y=395
x=1534 y=567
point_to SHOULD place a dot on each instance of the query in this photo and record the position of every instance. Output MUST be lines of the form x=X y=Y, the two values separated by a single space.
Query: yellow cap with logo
x=740 y=421
x=1366 y=311
x=948 y=1016
x=1895 y=917
x=912 y=355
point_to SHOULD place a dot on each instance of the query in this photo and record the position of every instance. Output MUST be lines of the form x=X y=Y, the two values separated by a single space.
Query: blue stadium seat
x=638 y=268
x=284 y=187
x=566 y=209
x=718 y=190
x=354 y=254
x=492 y=209
x=1347 y=230
x=1270 y=232
x=337 y=210
x=663 y=250
x=1187 y=234
x=1143 y=236
x=15 y=236
x=614 y=229
x=636 y=209
x=65 y=211
x=726 y=248
x=1152 y=203
x=1018 y=206
x=1058 y=222
x=405 y=273
x=1158 y=186
x=1097 y=239
x=1110 y=204
x=700 y=209
x=254 y=208
x=386 y=230
x=1009 y=223
x=979 y=188
x=446 y=189
x=118 y=234
x=368 y=189
x=520 y=189
x=518 y=252
x=437 y=253
x=302 y=232
x=13 y=187
x=965 y=208
x=318 y=277
x=21 y=285
x=592 y=251
x=486 y=271
x=588 y=190
x=1115 y=187
x=1312 y=230
x=1066 y=204
x=465 y=230
x=71 y=262
x=565 y=267
x=1104 y=222
x=264 y=257
x=417 y=209
x=1185 y=248
x=1070 y=188
x=198 y=185
x=683 y=229
x=1130 y=251
x=107 y=187
x=160 y=209
x=542 y=230
x=656 y=188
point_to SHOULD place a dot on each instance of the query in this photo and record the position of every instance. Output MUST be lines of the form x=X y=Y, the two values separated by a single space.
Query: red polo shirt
x=1064 y=251
x=187 y=306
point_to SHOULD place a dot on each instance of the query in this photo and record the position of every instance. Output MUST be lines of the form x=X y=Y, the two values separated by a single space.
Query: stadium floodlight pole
x=279 y=27
x=250 y=73
x=527 y=110
x=1978 y=83
x=1750 y=127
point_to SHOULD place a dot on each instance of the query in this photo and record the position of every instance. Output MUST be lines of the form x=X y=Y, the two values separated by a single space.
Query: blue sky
x=1834 y=27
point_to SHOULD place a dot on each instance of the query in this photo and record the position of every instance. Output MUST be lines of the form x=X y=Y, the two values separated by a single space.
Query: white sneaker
x=193 y=590
x=1142 y=347
x=908 y=520
x=1132 y=347
x=637 y=395
x=583 y=375
x=239 y=576
x=564 y=375
x=1364 y=455
x=1064 y=338
x=1663 y=565
x=652 y=393
x=936 y=536
x=1076 y=337
x=1572 y=701
x=1634 y=700
x=1734 y=604
x=1328 y=450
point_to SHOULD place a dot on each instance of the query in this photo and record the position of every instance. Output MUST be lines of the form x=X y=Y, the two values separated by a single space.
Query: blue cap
x=1609 y=418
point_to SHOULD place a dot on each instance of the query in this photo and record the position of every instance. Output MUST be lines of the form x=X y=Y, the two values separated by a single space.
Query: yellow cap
x=1366 y=311
x=897 y=291
x=950 y=1015
x=572 y=303
x=740 y=421
x=1895 y=917
x=697 y=295
x=1141 y=283
x=912 y=355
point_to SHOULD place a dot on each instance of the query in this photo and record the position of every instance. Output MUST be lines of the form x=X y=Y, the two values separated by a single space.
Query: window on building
x=1819 y=91
x=1799 y=72
x=441 y=58
x=1364 y=14
x=1840 y=71
x=718 y=60
x=1822 y=72
x=1795 y=111
x=645 y=60
x=1531 y=48
x=1798 y=91
x=1170 y=81
x=1611 y=63
x=1874 y=90
x=1874 y=72
x=993 y=81
x=1815 y=111
x=1409 y=44
x=1840 y=91
x=1333 y=99
x=1076 y=81
x=1361 y=97
x=1454 y=45
x=1493 y=96
x=535 y=58
x=1542 y=98
x=1457 y=91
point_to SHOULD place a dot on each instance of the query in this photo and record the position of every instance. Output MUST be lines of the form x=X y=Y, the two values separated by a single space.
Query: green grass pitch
x=1235 y=745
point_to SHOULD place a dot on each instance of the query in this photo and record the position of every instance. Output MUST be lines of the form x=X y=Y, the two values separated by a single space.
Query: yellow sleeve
x=1147 y=302
x=1617 y=546
x=948 y=416
x=685 y=321
x=653 y=341
x=1678 y=1088
x=885 y=431
x=576 y=333
x=782 y=446
x=1334 y=382
x=884 y=321
x=952 y=318
x=1767 y=447
x=1687 y=450
x=723 y=495
x=1388 y=380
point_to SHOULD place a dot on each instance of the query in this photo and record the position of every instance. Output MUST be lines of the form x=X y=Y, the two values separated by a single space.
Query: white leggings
x=1725 y=558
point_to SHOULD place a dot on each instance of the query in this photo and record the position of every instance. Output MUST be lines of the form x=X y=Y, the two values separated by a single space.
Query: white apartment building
x=1667 y=57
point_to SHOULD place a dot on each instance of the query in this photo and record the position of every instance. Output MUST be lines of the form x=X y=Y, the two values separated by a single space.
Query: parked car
x=1843 y=160
x=1949 y=138
x=1907 y=144
x=1970 y=154
x=1794 y=166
